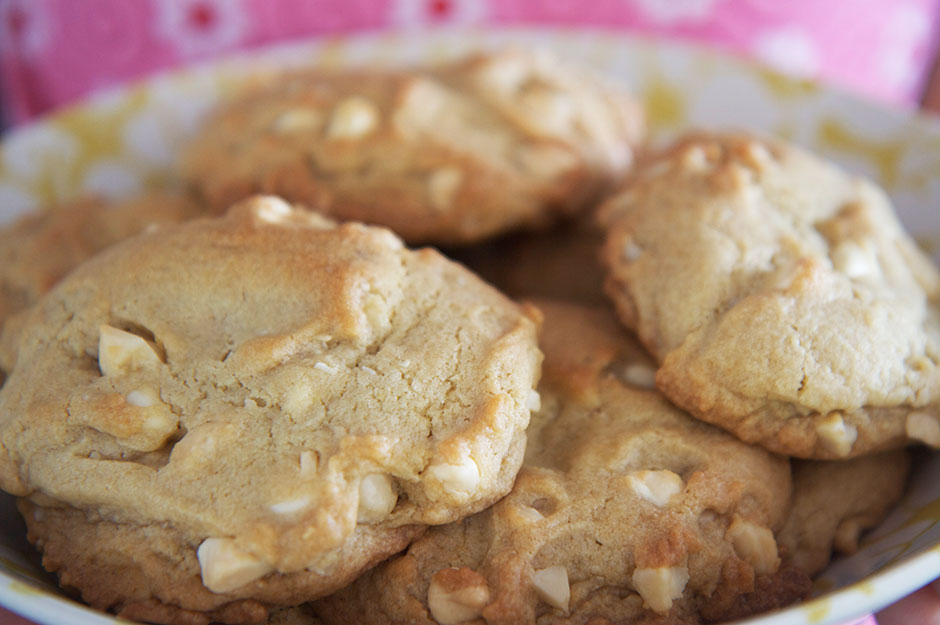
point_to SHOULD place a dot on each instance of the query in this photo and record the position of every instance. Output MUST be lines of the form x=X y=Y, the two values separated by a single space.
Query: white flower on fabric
x=197 y=27
x=417 y=13
x=15 y=202
x=789 y=50
x=111 y=179
x=32 y=150
x=24 y=27
x=669 y=11
x=146 y=137
x=904 y=32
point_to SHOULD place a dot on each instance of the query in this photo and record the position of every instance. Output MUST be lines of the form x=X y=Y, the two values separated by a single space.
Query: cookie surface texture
x=626 y=511
x=834 y=501
x=446 y=155
x=248 y=411
x=38 y=250
x=781 y=295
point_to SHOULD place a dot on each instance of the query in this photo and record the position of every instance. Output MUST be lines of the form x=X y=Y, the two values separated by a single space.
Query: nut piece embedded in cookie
x=656 y=487
x=780 y=294
x=352 y=118
x=755 y=545
x=300 y=398
x=552 y=587
x=456 y=480
x=835 y=435
x=121 y=352
x=377 y=498
x=457 y=595
x=923 y=427
x=659 y=587
x=443 y=154
x=226 y=567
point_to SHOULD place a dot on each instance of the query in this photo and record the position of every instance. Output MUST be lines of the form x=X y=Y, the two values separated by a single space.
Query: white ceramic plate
x=126 y=140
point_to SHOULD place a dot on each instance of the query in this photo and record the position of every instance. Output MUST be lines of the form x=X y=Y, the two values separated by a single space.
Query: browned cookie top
x=450 y=154
x=272 y=396
x=781 y=296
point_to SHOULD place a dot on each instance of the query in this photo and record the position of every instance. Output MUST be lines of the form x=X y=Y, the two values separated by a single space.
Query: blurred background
x=53 y=52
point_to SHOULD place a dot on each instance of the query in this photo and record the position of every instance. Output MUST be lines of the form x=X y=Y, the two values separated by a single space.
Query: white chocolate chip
x=457 y=479
x=142 y=398
x=377 y=498
x=297 y=120
x=530 y=514
x=368 y=370
x=322 y=366
x=552 y=587
x=835 y=435
x=289 y=507
x=309 y=464
x=758 y=153
x=457 y=595
x=660 y=586
x=226 y=567
x=157 y=427
x=549 y=111
x=694 y=159
x=120 y=352
x=755 y=545
x=201 y=443
x=298 y=398
x=639 y=375
x=545 y=161
x=271 y=209
x=442 y=187
x=533 y=401
x=923 y=427
x=352 y=118
x=504 y=74
x=656 y=487
x=631 y=251
x=849 y=258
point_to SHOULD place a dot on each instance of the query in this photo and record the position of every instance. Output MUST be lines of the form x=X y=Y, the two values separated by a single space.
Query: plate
x=125 y=140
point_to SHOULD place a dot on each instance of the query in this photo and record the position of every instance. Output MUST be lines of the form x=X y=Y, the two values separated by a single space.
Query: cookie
x=234 y=414
x=835 y=501
x=561 y=263
x=626 y=510
x=450 y=155
x=39 y=249
x=782 y=297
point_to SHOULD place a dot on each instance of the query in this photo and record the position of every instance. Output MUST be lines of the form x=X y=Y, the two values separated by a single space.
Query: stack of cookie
x=258 y=408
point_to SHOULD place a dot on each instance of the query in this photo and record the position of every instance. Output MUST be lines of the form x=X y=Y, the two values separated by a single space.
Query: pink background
x=55 y=51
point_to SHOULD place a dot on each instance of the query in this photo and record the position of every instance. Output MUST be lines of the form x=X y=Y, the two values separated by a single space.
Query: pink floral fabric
x=53 y=52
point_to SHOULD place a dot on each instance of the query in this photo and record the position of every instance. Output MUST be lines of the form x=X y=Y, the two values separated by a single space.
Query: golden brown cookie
x=626 y=511
x=450 y=154
x=782 y=297
x=835 y=501
x=233 y=414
